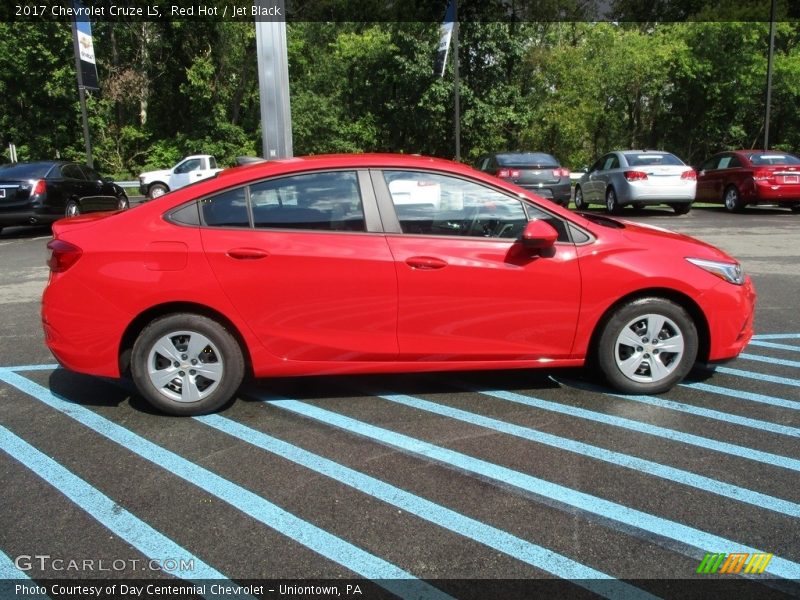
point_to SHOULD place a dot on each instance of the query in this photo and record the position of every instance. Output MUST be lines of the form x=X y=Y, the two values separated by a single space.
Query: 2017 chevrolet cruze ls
x=378 y=263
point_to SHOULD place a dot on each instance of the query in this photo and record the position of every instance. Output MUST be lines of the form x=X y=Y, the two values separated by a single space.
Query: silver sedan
x=639 y=178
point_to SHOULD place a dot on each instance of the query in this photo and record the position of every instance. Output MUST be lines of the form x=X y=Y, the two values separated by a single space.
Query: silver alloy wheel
x=185 y=366
x=123 y=203
x=72 y=209
x=612 y=206
x=579 y=199
x=732 y=199
x=157 y=190
x=649 y=348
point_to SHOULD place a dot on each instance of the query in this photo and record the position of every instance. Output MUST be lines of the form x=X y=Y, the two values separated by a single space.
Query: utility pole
x=769 y=73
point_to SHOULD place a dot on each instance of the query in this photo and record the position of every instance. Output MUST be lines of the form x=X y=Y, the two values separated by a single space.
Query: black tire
x=122 y=202
x=205 y=361
x=795 y=208
x=633 y=351
x=682 y=209
x=72 y=209
x=732 y=199
x=613 y=206
x=579 y=202
x=156 y=190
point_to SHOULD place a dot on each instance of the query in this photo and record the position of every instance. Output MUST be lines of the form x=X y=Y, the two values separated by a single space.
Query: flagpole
x=456 y=90
x=82 y=95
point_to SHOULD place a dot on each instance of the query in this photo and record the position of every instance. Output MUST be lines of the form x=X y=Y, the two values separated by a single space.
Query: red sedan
x=378 y=263
x=743 y=177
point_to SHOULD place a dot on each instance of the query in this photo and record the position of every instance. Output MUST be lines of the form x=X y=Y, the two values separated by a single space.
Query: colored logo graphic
x=733 y=563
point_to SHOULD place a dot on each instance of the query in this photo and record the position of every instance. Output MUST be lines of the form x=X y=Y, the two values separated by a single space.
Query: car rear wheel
x=72 y=209
x=682 y=209
x=156 y=190
x=122 y=202
x=795 y=208
x=612 y=203
x=186 y=364
x=579 y=202
x=647 y=346
x=732 y=199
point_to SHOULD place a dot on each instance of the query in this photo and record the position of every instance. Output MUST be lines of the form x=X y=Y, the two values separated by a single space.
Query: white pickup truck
x=192 y=168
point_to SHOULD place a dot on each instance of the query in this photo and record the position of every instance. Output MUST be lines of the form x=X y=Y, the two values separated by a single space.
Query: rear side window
x=328 y=201
x=228 y=209
x=72 y=172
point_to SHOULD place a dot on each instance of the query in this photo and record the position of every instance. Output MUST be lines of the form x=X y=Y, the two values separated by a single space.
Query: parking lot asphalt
x=499 y=484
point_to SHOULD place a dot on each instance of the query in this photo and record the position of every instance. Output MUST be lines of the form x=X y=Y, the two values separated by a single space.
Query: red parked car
x=378 y=263
x=743 y=177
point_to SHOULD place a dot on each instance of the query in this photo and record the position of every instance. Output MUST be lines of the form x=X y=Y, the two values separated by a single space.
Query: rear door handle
x=247 y=253
x=425 y=263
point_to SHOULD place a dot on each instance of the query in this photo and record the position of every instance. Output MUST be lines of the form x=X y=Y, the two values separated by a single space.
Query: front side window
x=432 y=204
x=321 y=201
x=188 y=166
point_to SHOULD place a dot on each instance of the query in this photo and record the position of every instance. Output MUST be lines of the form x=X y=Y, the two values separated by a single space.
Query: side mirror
x=539 y=234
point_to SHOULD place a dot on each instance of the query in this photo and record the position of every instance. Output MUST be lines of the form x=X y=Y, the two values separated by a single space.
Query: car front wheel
x=72 y=209
x=186 y=364
x=156 y=190
x=647 y=346
x=682 y=209
x=122 y=202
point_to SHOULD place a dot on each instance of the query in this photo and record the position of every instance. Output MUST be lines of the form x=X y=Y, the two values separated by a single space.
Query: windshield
x=636 y=159
x=25 y=170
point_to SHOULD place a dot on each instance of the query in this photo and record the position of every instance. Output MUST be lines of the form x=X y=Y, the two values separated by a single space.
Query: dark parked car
x=537 y=172
x=42 y=192
x=743 y=177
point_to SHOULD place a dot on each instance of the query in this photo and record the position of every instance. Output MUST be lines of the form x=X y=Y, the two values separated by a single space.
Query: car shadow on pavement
x=91 y=391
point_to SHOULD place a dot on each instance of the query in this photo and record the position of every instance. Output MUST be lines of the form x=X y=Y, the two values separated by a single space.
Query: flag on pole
x=84 y=48
x=446 y=32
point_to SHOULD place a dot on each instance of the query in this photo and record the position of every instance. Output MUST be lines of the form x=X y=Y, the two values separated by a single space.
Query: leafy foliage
x=574 y=89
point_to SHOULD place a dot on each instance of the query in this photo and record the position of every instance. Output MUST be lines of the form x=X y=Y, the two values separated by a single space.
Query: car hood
x=159 y=173
x=652 y=236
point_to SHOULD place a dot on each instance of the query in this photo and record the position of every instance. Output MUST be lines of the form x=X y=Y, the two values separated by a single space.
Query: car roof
x=343 y=161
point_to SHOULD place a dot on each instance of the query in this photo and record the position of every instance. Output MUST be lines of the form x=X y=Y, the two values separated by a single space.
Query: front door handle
x=247 y=253
x=425 y=263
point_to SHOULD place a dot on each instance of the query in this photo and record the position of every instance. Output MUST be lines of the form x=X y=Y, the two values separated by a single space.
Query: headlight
x=730 y=272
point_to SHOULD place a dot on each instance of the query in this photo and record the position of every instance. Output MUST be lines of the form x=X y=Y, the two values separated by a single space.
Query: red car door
x=467 y=289
x=301 y=270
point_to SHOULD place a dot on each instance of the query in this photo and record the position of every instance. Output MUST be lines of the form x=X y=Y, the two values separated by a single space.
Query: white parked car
x=638 y=178
x=191 y=169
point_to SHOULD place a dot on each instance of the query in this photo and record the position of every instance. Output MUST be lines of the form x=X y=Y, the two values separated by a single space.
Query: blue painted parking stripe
x=762 y=344
x=655 y=430
x=759 y=376
x=777 y=336
x=753 y=397
x=119 y=521
x=492 y=537
x=712 y=414
x=707 y=484
x=319 y=540
x=23 y=368
x=682 y=534
x=770 y=360
x=8 y=570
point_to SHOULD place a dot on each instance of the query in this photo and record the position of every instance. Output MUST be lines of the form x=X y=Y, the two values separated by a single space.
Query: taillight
x=62 y=255
x=764 y=175
x=504 y=173
x=635 y=175
x=561 y=172
x=39 y=187
x=690 y=174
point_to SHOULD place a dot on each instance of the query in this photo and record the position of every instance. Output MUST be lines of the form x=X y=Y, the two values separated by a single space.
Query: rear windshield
x=773 y=158
x=527 y=159
x=25 y=170
x=636 y=159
